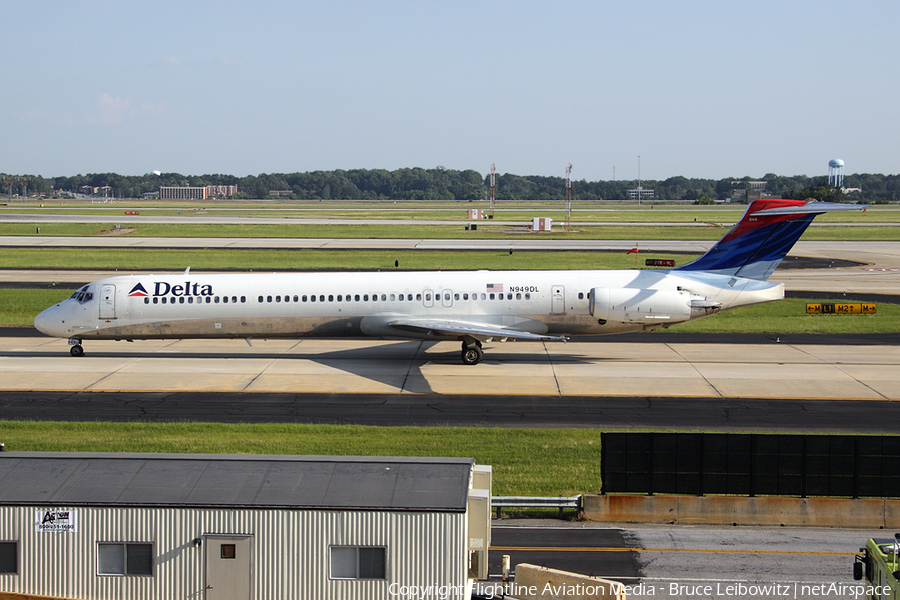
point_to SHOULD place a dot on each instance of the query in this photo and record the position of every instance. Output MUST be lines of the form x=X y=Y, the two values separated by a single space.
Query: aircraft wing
x=481 y=331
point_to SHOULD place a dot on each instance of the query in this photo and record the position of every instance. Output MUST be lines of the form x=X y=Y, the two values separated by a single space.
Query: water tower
x=836 y=173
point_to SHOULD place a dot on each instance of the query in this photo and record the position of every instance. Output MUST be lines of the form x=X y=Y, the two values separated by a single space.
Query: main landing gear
x=77 y=349
x=471 y=351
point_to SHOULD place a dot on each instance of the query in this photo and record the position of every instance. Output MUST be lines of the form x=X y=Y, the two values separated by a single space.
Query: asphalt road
x=682 y=562
x=608 y=413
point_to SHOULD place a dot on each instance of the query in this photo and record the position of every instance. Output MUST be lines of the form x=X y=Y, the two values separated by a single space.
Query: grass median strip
x=163 y=259
x=706 y=231
x=541 y=462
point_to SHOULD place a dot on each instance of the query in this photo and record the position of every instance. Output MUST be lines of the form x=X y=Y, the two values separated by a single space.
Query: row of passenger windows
x=200 y=300
x=429 y=297
x=457 y=296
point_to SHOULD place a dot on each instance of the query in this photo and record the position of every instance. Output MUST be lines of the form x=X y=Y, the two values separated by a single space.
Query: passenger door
x=107 y=301
x=558 y=300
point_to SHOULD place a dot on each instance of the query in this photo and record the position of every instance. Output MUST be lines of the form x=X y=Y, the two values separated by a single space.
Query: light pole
x=640 y=189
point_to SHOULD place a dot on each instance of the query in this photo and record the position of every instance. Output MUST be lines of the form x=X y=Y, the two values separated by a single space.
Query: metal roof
x=229 y=480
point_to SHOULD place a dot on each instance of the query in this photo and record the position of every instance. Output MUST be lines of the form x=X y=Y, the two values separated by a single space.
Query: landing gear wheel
x=77 y=350
x=472 y=355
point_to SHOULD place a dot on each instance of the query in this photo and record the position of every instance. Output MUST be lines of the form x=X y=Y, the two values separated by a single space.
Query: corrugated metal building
x=163 y=526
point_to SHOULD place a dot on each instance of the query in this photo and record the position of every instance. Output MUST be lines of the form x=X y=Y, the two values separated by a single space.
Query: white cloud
x=113 y=110
x=29 y=116
x=154 y=110
x=231 y=64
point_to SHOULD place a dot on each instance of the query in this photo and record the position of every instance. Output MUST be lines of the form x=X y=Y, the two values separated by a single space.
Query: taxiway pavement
x=370 y=366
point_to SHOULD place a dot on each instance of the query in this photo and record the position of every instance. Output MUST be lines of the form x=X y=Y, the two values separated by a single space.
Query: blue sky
x=701 y=89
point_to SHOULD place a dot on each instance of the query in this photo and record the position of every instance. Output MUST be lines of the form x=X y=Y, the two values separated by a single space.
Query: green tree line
x=450 y=184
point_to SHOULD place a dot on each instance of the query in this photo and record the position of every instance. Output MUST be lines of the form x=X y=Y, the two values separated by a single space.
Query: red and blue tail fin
x=763 y=237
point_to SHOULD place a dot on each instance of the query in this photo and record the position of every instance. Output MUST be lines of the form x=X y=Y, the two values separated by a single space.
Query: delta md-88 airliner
x=473 y=307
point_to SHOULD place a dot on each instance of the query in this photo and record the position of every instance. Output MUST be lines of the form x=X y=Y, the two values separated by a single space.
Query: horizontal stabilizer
x=762 y=238
x=809 y=208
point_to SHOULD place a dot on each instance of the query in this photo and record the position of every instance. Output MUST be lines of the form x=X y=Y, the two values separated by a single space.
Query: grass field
x=789 y=316
x=700 y=222
x=505 y=210
x=337 y=231
x=543 y=462
x=125 y=259
x=708 y=232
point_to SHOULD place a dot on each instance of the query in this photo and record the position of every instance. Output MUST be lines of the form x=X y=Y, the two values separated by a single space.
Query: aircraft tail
x=763 y=237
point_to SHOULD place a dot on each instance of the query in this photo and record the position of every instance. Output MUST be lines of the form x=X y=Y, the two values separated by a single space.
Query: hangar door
x=228 y=567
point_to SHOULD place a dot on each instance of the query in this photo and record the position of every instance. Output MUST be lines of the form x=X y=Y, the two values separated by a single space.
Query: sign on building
x=55 y=521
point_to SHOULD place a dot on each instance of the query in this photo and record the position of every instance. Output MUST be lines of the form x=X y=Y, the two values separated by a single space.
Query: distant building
x=747 y=191
x=542 y=224
x=197 y=193
x=221 y=191
x=105 y=191
x=281 y=193
x=182 y=193
x=640 y=193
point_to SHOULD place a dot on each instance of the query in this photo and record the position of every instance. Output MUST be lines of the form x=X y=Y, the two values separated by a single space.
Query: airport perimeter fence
x=849 y=466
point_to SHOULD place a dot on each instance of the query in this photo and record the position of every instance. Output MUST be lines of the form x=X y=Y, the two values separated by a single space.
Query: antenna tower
x=569 y=197
x=16 y=181
x=493 y=187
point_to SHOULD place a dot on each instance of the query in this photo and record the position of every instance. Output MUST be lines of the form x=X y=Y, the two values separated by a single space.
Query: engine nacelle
x=633 y=305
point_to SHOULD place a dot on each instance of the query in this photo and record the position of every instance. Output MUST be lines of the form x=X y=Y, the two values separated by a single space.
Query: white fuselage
x=261 y=305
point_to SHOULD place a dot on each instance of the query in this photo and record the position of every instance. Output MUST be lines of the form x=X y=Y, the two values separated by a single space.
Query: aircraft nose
x=40 y=322
x=46 y=323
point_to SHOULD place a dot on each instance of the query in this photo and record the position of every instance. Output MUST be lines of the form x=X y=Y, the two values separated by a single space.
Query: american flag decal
x=495 y=287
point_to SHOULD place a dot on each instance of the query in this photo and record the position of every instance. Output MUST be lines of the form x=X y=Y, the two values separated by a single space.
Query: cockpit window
x=82 y=295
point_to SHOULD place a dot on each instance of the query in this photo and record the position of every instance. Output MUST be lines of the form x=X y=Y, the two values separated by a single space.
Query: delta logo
x=163 y=288
x=138 y=291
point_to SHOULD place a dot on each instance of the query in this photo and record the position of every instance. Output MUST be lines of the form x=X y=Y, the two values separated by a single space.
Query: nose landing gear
x=77 y=349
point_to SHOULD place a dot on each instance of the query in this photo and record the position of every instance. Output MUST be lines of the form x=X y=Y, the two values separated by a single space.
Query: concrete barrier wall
x=728 y=510
x=533 y=582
